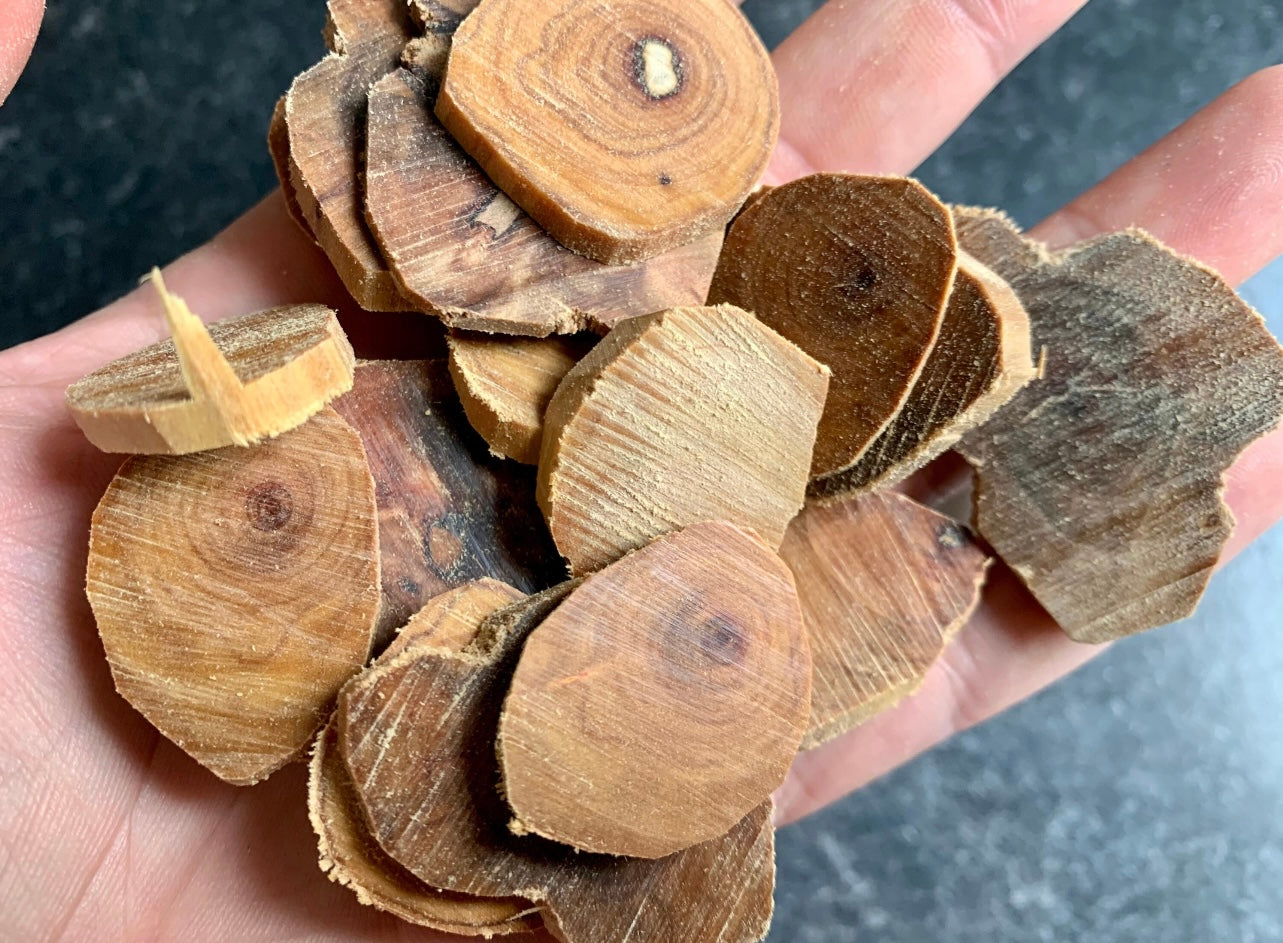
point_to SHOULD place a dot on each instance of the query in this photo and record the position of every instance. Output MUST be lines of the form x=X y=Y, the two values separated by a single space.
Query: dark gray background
x=1142 y=799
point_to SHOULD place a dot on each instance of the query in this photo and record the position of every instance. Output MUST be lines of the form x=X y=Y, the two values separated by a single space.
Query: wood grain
x=506 y=383
x=325 y=111
x=419 y=743
x=451 y=620
x=278 y=146
x=981 y=359
x=461 y=249
x=885 y=584
x=236 y=591
x=856 y=271
x=662 y=701
x=449 y=512
x=1101 y=483
x=688 y=415
x=623 y=128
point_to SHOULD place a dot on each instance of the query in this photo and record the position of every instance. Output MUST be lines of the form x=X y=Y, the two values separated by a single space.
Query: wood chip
x=981 y=359
x=448 y=511
x=236 y=382
x=462 y=250
x=236 y=590
x=325 y=115
x=624 y=130
x=452 y=619
x=688 y=415
x=663 y=701
x=278 y=145
x=885 y=584
x=506 y=383
x=1101 y=483
x=419 y=743
x=856 y=271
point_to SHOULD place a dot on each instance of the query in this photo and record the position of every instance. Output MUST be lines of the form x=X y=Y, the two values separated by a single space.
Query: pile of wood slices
x=597 y=757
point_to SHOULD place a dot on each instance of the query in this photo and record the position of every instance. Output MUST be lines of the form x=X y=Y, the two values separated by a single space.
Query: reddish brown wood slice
x=856 y=271
x=885 y=584
x=1101 y=483
x=662 y=701
x=278 y=145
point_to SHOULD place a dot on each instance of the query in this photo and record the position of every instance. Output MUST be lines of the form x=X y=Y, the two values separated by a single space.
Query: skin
x=107 y=831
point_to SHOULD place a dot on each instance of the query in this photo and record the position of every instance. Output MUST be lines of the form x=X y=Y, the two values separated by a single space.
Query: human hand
x=109 y=831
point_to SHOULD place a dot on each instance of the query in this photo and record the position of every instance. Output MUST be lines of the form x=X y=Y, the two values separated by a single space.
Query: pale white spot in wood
x=498 y=215
x=659 y=68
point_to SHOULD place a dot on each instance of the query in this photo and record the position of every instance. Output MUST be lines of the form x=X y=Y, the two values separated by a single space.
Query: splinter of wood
x=452 y=619
x=235 y=383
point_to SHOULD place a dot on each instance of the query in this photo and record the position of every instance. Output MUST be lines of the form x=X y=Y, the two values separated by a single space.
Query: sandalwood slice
x=1101 y=483
x=236 y=382
x=688 y=415
x=885 y=584
x=506 y=383
x=452 y=619
x=419 y=737
x=236 y=590
x=440 y=16
x=462 y=250
x=856 y=271
x=449 y=512
x=624 y=129
x=662 y=701
x=278 y=145
x=981 y=359
x=325 y=112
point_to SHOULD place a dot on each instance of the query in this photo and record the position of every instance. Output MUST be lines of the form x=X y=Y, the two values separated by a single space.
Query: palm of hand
x=108 y=831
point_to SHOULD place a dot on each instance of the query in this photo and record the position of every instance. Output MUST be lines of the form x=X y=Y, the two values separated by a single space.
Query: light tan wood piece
x=981 y=359
x=440 y=16
x=856 y=271
x=624 y=129
x=449 y=512
x=885 y=584
x=236 y=590
x=462 y=250
x=662 y=701
x=427 y=783
x=694 y=414
x=1101 y=483
x=506 y=383
x=278 y=145
x=452 y=619
x=236 y=382
x=325 y=115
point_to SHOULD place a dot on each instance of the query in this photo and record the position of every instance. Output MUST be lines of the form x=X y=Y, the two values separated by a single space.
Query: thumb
x=19 y=23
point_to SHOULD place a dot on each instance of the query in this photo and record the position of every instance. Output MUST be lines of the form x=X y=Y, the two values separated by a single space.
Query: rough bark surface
x=688 y=415
x=624 y=129
x=885 y=584
x=1101 y=483
x=236 y=591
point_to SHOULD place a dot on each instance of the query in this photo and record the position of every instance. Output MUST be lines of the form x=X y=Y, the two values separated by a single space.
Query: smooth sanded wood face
x=694 y=414
x=981 y=359
x=463 y=250
x=1101 y=483
x=885 y=584
x=506 y=383
x=419 y=740
x=267 y=373
x=236 y=590
x=325 y=116
x=623 y=128
x=857 y=272
x=449 y=512
x=662 y=701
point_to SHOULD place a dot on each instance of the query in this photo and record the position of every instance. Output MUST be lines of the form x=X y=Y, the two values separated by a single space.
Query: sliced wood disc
x=1101 y=483
x=419 y=739
x=662 y=701
x=688 y=415
x=856 y=271
x=241 y=381
x=506 y=383
x=885 y=584
x=325 y=118
x=981 y=359
x=278 y=145
x=236 y=591
x=452 y=619
x=624 y=129
x=449 y=512
x=464 y=251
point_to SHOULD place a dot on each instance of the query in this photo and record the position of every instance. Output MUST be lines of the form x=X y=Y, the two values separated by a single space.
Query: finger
x=874 y=86
x=1226 y=159
x=19 y=23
